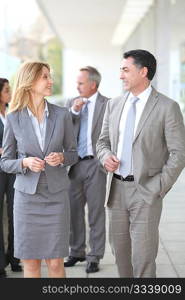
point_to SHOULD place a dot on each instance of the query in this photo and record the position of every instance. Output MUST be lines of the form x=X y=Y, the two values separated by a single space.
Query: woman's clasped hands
x=36 y=164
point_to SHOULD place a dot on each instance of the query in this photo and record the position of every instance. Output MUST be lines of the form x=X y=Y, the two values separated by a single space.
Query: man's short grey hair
x=94 y=75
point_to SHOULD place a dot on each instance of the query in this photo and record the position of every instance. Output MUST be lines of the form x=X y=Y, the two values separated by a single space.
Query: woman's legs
x=32 y=268
x=56 y=267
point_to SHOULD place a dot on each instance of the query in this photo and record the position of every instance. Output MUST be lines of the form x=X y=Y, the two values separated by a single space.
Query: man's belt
x=86 y=157
x=128 y=178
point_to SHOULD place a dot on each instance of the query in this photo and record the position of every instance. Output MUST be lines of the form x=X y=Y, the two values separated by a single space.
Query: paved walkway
x=171 y=255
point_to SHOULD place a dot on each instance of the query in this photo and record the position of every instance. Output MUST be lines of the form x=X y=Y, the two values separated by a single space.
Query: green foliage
x=51 y=52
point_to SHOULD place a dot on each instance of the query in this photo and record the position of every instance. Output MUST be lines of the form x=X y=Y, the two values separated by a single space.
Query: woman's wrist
x=61 y=157
x=25 y=163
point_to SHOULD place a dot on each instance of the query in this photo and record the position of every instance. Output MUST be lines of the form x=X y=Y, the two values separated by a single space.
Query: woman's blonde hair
x=27 y=75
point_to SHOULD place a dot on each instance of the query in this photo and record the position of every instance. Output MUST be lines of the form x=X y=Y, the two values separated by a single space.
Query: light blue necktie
x=82 y=138
x=126 y=156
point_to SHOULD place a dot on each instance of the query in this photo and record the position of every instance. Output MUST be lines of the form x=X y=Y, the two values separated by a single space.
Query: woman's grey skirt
x=41 y=223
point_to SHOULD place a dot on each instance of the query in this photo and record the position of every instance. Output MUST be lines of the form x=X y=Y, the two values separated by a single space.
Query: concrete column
x=162 y=44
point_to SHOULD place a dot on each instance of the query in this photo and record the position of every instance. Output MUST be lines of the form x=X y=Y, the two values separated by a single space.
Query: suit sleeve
x=9 y=163
x=70 y=146
x=103 y=146
x=75 y=117
x=175 y=139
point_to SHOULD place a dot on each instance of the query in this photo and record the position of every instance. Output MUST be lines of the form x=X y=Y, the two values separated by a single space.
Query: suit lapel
x=97 y=110
x=152 y=100
x=29 y=133
x=51 y=120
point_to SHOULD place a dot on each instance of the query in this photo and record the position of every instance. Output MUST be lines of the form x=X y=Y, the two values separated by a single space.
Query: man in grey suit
x=142 y=146
x=88 y=178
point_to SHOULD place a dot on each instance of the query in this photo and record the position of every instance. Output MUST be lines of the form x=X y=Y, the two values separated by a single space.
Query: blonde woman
x=41 y=134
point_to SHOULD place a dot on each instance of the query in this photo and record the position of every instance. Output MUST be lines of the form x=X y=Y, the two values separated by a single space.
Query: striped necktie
x=82 y=138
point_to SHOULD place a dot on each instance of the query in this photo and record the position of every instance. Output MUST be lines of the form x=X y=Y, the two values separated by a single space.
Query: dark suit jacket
x=1 y=133
x=1 y=139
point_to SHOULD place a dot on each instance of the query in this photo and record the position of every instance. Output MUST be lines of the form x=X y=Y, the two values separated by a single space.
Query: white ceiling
x=82 y=24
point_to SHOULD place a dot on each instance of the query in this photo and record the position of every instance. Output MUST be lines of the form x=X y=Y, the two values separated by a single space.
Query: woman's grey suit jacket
x=20 y=139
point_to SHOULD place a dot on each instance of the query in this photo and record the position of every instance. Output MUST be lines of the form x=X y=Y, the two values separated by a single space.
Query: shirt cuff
x=75 y=112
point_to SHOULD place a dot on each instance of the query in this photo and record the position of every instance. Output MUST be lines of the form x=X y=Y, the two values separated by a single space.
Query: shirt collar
x=46 y=110
x=93 y=97
x=144 y=95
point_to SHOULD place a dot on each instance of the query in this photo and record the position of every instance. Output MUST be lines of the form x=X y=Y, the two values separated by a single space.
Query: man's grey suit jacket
x=99 y=111
x=158 y=146
x=20 y=139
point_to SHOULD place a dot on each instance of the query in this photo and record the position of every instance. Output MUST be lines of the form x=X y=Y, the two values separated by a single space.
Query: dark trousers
x=6 y=188
x=87 y=186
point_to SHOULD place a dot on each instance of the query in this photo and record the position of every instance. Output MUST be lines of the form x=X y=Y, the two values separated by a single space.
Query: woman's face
x=5 y=94
x=43 y=86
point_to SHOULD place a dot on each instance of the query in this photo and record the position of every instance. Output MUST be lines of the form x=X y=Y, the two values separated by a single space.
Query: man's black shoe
x=72 y=261
x=92 y=267
x=16 y=268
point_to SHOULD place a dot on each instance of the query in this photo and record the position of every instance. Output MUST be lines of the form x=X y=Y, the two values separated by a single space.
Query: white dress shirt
x=91 y=107
x=40 y=127
x=140 y=104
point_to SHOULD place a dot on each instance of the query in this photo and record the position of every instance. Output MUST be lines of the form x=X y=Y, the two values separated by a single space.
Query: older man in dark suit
x=88 y=179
